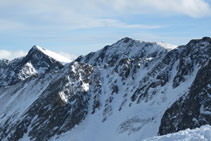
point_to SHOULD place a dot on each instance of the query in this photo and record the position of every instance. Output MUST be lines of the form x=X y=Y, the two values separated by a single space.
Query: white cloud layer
x=5 y=54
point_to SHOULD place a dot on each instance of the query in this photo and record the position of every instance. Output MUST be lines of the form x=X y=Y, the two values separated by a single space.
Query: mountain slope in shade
x=124 y=91
x=193 y=108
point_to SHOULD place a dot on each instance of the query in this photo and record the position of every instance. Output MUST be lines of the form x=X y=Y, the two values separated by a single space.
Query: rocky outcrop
x=192 y=110
x=61 y=106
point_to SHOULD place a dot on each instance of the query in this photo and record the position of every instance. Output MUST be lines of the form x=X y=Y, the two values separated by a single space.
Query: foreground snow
x=198 y=134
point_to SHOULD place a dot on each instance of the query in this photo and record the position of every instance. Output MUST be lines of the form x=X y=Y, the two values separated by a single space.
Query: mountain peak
x=37 y=61
x=36 y=47
x=126 y=48
x=49 y=53
x=131 y=41
x=125 y=40
x=35 y=50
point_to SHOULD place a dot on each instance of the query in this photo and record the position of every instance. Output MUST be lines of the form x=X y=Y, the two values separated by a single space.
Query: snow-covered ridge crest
x=161 y=44
x=51 y=54
x=127 y=48
x=166 y=45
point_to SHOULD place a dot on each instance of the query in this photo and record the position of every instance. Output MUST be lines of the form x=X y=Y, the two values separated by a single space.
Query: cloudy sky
x=81 y=26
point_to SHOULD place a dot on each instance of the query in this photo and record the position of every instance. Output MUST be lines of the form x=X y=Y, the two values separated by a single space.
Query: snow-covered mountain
x=130 y=90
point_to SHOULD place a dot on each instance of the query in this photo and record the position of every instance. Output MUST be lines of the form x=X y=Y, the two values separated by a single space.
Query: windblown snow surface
x=199 y=134
x=54 y=55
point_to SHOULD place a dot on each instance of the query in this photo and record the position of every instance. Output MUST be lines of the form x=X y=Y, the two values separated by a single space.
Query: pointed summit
x=42 y=58
x=37 y=49
x=38 y=61
x=125 y=40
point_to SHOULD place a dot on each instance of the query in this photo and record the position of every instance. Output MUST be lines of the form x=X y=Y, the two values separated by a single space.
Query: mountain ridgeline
x=130 y=90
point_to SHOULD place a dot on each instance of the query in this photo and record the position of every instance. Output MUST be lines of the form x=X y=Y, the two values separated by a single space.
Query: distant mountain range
x=128 y=91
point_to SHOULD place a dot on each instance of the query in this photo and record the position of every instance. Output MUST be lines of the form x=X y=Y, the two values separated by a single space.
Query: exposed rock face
x=129 y=90
x=59 y=107
x=191 y=110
